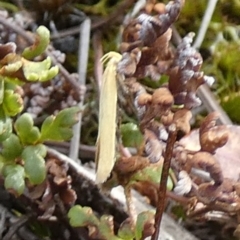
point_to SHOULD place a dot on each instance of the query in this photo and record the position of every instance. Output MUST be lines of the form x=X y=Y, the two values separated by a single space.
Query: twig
x=15 y=226
x=19 y=30
x=212 y=105
x=100 y=23
x=77 y=167
x=76 y=87
x=98 y=53
x=85 y=151
x=83 y=51
x=129 y=203
x=2 y=221
x=205 y=23
x=163 y=182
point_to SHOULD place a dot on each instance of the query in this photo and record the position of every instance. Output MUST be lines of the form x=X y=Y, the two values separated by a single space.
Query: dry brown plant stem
x=164 y=177
x=129 y=203
x=98 y=50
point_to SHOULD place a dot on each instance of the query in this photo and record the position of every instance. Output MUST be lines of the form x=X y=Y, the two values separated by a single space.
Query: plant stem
x=163 y=182
x=84 y=40
x=205 y=23
x=129 y=203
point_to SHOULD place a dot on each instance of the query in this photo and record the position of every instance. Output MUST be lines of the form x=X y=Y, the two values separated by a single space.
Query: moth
x=106 y=140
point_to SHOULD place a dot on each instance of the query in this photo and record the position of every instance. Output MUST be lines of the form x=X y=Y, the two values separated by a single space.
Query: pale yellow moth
x=106 y=140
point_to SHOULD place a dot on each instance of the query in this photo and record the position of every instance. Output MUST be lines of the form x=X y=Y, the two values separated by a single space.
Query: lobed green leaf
x=125 y=231
x=11 y=148
x=105 y=228
x=14 y=178
x=59 y=127
x=12 y=103
x=34 y=163
x=39 y=71
x=41 y=42
x=82 y=216
x=5 y=126
x=27 y=132
x=143 y=219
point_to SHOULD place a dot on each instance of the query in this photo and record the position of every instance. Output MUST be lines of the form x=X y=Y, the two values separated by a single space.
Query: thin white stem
x=205 y=23
x=203 y=92
x=83 y=51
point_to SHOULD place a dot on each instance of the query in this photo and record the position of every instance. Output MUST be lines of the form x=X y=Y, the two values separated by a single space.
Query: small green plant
x=23 y=150
x=102 y=228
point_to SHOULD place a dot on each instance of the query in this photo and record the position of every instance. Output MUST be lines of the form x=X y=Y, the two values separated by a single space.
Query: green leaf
x=39 y=71
x=105 y=228
x=125 y=231
x=41 y=43
x=14 y=178
x=131 y=135
x=151 y=173
x=231 y=105
x=82 y=216
x=26 y=130
x=5 y=126
x=12 y=169
x=144 y=219
x=12 y=103
x=59 y=127
x=1 y=89
x=34 y=163
x=12 y=148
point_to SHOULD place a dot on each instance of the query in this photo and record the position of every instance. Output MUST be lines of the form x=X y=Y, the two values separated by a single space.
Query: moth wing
x=106 y=141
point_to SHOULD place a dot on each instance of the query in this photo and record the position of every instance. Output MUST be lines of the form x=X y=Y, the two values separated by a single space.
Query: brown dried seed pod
x=162 y=96
x=195 y=82
x=161 y=45
x=149 y=56
x=153 y=146
x=208 y=193
x=192 y=101
x=208 y=123
x=213 y=139
x=209 y=163
x=149 y=7
x=125 y=165
x=166 y=120
x=127 y=65
x=159 y=8
x=144 y=99
x=162 y=101
x=182 y=120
